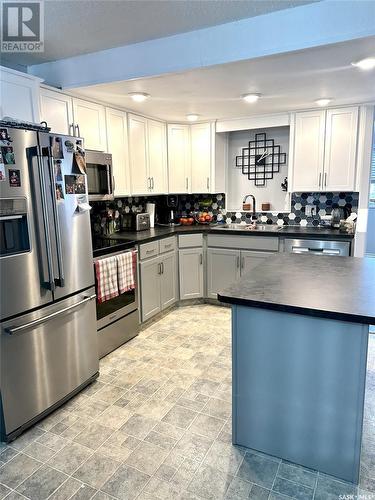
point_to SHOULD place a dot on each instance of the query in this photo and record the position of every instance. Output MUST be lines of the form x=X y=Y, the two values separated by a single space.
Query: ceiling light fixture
x=250 y=97
x=323 y=102
x=139 y=96
x=365 y=64
x=192 y=117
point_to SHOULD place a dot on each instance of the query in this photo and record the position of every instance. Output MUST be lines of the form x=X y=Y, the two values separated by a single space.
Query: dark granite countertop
x=340 y=288
x=285 y=231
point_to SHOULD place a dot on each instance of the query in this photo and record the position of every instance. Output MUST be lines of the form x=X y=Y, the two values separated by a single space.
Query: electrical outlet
x=310 y=210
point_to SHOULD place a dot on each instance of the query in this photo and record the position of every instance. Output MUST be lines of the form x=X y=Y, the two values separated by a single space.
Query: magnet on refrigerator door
x=3 y=175
x=14 y=178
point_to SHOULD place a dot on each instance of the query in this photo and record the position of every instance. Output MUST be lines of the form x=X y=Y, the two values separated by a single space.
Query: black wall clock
x=261 y=159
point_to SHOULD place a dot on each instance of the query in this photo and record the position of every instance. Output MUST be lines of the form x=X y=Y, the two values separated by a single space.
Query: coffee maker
x=166 y=211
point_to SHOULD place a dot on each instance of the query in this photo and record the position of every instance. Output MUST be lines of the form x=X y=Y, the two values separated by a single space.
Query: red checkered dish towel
x=106 y=277
x=126 y=266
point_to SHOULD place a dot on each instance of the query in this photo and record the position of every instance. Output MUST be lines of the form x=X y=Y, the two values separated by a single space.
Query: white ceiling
x=74 y=27
x=287 y=81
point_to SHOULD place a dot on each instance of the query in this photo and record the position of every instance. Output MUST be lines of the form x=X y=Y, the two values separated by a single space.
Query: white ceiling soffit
x=76 y=27
x=307 y=26
x=286 y=81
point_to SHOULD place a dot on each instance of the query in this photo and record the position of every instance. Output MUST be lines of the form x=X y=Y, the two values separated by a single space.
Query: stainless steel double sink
x=249 y=227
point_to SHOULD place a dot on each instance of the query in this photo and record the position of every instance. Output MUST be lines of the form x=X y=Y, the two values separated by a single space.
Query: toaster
x=135 y=221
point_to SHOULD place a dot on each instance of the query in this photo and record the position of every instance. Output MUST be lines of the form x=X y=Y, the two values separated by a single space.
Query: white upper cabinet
x=148 y=155
x=157 y=156
x=179 y=166
x=19 y=95
x=201 y=157
x=308 y=150
x=89 y=123
x=57 y=110
x=117 y=138
x=340 y=149
x=138 y=156
x=325 y=148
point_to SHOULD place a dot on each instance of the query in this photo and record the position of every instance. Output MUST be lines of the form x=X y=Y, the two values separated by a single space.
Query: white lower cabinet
x=158 y=284
x=249 y=260
x=191 y=273
x=168 y=280
x=149 y=274
x=225 y=266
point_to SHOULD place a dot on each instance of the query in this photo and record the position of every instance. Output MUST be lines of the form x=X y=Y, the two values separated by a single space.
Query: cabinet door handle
x=320 y=178
x=325 y=179
x=208 y=183
x=78 y=131
x=152 y=185
x=148 y=183
x=238 y=261
x=242 y=262
x=71 y=128
x=159 y=268
x=187 y=184
x=200 y=259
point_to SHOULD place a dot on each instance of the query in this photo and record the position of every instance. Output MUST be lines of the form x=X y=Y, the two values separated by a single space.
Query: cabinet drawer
x=148 y=250
x=167 y=244
x=247 y=242
x=190 y=240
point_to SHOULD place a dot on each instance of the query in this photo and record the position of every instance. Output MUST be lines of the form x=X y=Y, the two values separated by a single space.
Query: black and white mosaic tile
x=323 y=203
x=105 y=214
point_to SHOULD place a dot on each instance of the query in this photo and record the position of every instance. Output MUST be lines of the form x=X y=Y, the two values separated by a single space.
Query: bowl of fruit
x=203 y=218
x=186 y=221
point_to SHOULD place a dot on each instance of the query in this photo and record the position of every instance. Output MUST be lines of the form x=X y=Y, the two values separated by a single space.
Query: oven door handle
x=44 y=319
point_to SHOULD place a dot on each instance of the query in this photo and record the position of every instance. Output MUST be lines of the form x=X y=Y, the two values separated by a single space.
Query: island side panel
x=298 y=388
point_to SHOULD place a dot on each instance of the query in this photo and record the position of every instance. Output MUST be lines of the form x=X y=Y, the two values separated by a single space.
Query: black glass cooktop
x=103 y=246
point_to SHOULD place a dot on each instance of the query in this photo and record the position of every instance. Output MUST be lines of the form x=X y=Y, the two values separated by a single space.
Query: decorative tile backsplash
x=105 y=216
x=323 y=204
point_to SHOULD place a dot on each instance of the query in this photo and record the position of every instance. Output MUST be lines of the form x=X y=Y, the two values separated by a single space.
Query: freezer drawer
x=45 y=356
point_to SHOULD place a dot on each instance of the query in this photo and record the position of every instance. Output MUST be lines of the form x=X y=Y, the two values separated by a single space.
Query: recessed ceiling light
x=139 y=96
x=366 y=64
x=250 y=97
x=192 y=117
x=323 y=102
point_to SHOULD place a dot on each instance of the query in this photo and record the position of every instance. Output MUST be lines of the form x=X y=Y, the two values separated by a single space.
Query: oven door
x=99 y=175
x=112 y=310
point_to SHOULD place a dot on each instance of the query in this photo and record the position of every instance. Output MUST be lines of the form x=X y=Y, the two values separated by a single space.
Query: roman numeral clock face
x=261 y=159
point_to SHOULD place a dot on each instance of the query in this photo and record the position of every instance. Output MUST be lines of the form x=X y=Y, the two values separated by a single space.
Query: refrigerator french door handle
x=60 y=281
x=50 y=285
x=39 y=321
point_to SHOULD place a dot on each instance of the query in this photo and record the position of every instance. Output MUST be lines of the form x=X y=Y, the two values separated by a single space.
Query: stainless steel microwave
x=99 y=175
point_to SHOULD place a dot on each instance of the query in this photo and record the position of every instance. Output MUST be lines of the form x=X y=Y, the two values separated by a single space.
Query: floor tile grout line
x=187 y=363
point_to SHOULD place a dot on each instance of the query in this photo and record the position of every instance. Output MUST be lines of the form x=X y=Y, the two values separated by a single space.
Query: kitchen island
x=300 y=334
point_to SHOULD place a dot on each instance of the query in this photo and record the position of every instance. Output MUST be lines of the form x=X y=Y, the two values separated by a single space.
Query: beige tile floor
x=156 y=425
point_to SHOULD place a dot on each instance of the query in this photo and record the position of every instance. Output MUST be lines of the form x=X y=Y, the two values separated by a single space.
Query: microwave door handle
x=60 y=264
x=50 y=284
x=109 y=182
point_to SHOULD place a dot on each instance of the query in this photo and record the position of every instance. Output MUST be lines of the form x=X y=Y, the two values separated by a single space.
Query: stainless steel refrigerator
x=48 y=338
